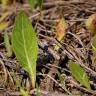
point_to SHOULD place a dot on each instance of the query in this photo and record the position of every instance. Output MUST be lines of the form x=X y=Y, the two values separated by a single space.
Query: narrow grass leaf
x=24 y=43
x=7 y=44
x=79 y=74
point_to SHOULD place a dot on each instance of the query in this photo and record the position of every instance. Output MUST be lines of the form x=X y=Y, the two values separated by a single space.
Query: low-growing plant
x=79 y=74
x=24 y=44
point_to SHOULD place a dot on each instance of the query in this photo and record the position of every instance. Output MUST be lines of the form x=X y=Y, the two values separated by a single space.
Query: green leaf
x=24 y=43
x=7 y=44
x=39 y=3
x=35 y=3
x=23 y=92
x=94 y=43
x=79 y=74
x=38 y=90
x=32 y=3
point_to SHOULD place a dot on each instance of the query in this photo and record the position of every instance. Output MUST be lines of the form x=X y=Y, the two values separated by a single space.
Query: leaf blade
x=79 y=74
x=7 y=44
x=24 y=38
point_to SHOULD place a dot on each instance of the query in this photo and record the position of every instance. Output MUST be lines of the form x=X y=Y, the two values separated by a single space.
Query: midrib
x=29 y=65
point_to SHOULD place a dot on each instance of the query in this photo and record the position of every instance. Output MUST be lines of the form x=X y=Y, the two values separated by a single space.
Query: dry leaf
x=91 y=24
x=4 y=16
x=60 y=29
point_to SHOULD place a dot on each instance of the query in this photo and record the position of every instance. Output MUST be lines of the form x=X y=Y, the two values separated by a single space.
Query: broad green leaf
x=32 y=3
x=7 y=44
x=94 y=43
x=79 y=74
x=24 y=43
